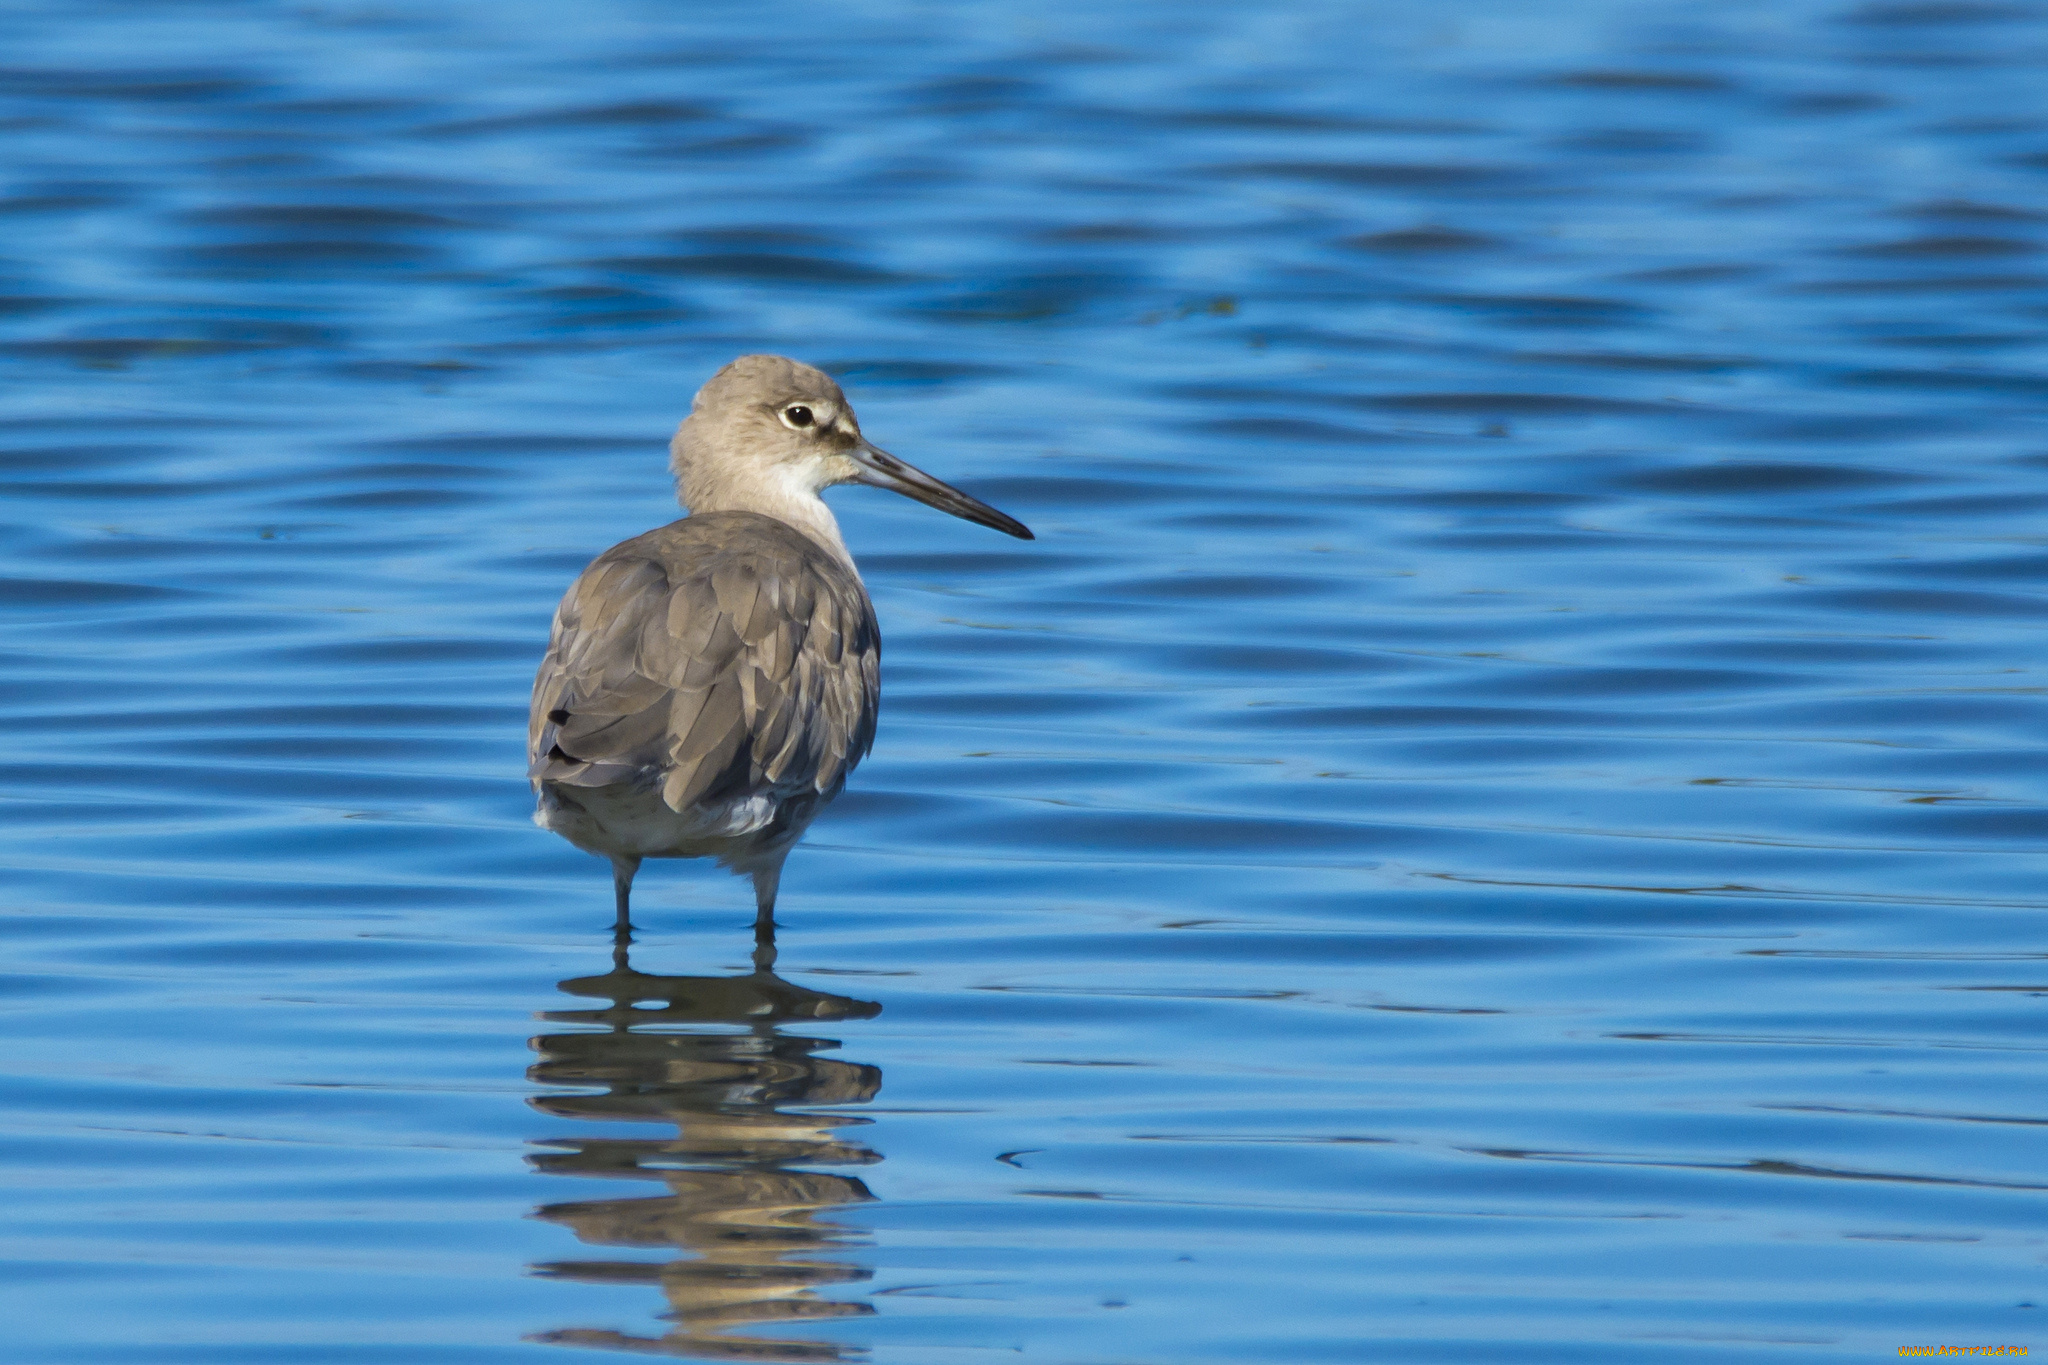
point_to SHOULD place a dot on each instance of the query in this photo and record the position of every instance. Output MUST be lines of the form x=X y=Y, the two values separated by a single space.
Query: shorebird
x=708 y=686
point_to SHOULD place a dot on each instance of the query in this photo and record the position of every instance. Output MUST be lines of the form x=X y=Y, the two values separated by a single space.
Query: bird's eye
x=798 y=415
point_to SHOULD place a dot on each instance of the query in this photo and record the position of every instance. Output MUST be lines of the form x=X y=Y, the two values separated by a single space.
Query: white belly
x=633 y=821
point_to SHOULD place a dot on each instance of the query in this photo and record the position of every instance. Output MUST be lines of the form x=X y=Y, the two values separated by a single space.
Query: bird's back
x=722 y=659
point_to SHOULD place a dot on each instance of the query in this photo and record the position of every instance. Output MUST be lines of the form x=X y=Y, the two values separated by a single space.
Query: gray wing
x=720 y=656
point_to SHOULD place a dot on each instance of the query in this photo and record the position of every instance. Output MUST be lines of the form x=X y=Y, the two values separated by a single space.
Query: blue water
x=1501 y=820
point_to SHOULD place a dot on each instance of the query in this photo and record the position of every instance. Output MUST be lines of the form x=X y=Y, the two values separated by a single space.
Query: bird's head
x=766 y=429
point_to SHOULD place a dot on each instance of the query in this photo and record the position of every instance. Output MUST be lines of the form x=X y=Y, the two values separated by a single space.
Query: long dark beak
x=880 y=469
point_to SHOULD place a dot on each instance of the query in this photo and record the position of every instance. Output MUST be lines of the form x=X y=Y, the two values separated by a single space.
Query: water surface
x=1501 y=819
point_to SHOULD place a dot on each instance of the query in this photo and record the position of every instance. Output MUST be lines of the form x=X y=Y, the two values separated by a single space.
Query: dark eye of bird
x=799 y=416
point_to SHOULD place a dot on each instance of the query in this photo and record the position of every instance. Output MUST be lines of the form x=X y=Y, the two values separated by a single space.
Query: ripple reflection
x=709 y=1055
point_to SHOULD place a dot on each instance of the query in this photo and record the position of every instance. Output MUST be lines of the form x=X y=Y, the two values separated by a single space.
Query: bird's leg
x=766 y=880
x=623 y=868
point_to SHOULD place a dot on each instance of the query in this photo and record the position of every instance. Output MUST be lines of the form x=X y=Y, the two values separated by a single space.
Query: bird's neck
x=773 y=493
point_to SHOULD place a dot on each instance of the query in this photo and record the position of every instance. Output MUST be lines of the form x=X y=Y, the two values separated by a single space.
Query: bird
x=709 y=686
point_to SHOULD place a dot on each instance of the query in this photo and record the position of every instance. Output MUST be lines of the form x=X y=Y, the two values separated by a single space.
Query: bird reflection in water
x=755 y=1227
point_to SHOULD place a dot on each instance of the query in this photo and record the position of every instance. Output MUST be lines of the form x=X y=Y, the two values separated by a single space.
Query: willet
x=709 y=685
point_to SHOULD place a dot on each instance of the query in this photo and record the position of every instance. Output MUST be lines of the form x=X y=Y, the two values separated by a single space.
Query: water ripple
x=1520 y=712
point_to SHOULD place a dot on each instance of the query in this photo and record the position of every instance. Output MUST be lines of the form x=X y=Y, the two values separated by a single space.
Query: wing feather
x=719 y=657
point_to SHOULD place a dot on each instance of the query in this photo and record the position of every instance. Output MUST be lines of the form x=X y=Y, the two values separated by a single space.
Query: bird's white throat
x=784 y=491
